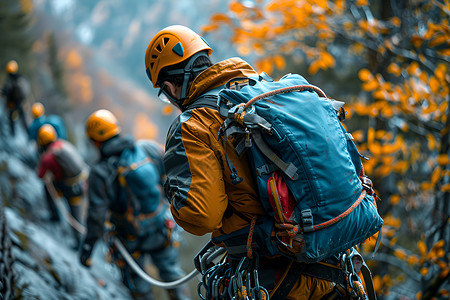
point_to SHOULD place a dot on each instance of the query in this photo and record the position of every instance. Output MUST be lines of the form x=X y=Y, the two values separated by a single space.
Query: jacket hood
x=217 y=75
x=115 y=145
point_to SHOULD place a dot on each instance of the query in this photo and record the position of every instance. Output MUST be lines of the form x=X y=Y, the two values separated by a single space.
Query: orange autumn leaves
x=422 y=96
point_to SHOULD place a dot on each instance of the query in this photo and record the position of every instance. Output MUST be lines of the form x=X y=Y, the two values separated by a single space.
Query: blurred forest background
x=387 y=59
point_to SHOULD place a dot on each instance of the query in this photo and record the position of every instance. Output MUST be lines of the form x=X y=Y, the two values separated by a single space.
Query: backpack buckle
x=307 y=219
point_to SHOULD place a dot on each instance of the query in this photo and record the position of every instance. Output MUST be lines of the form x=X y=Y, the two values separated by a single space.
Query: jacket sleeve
x=194 y=184
x=98 y=205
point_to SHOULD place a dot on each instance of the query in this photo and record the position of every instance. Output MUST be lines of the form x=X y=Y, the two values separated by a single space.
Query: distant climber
x=126 y=183
x=14 y=91
x=40 y=118
x=61 y=160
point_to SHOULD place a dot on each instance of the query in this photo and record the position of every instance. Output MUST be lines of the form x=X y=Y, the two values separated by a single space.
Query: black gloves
x=85 y=253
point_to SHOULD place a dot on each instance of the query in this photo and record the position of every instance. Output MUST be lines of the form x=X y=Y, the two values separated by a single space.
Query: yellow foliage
x=264 y=65
x=440 y=72
x=431 y=141
x=220 y=18
x=370 y=85
x=413 y=68
x=365 y=75
x=393 y=241
x=443 y=159
x=144 y=128
x=394 y=199
x=396 y=21
x=357 y=48
x=412 y=260
x=401 y=254
x=434 y=85
x=394 y=69
x=439 y=244
x=280 y=63
x=244 y=50
x=360 y=109
x=26 y=6
x=237 y=7
x=440 y=39
x=445 y=187
x=417 y=41
x=444 y=52
x=436 y=175
x=74 y=60
x=401 y=167
x=208 y=28
x=383 y=171
x=424 y=271
x=392 y=221
x=358 y=135
x=167 y=110
x=443 y=107
x=422 y=247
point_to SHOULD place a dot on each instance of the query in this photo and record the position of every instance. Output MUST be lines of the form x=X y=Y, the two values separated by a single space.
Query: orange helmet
x=102 y=125
x=12 y=67
x=37 y=110
x=46 y=135
x=170 y=46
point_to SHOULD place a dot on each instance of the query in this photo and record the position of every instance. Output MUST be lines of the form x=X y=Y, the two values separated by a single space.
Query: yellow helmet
x=102 y=125
x=170 y=46
x=37 y=110
x=46 y=135
x=12 y=67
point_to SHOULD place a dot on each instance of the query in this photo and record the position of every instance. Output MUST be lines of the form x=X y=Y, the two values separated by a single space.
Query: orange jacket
x=202 y=197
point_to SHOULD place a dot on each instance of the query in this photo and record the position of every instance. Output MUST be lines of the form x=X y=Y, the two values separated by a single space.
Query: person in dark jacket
x=14 y=90
x=146 y=228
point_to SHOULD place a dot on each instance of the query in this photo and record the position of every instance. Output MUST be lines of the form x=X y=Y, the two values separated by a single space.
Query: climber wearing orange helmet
x=68 y=171
x=15 y=92
x=40 y=118
x=126 y=182
x=204 y=197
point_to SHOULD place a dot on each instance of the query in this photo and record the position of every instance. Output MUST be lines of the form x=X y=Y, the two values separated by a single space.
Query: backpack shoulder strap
x=208 y=99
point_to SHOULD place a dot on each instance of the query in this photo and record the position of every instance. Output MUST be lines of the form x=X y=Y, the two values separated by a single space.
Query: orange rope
x=299 y=88
x=250 y=237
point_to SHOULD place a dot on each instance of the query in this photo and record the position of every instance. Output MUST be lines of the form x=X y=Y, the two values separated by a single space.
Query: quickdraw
x=220 y=282
x=351 y=265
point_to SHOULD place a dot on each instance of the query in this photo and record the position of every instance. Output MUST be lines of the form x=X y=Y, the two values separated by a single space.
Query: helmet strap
x=188 y=71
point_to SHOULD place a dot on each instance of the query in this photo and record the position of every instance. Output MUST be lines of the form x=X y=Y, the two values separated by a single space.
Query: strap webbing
x=368 y=281
x=288 y=169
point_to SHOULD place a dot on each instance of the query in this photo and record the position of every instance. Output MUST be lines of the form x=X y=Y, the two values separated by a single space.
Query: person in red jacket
x=66 y=168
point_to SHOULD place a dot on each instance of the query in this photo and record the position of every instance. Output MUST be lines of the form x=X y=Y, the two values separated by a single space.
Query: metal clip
x=248 y=140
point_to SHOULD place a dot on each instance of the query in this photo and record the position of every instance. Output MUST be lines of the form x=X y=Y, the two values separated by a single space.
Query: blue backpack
x=140 y=178
x=307 y=168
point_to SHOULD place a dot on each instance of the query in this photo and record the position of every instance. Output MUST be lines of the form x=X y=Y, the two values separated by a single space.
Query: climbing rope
x=127 y=256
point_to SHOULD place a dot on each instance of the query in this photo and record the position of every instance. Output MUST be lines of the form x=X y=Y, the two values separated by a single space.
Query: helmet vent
x=165 y=41
x=158 y=47
x=178 y=49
